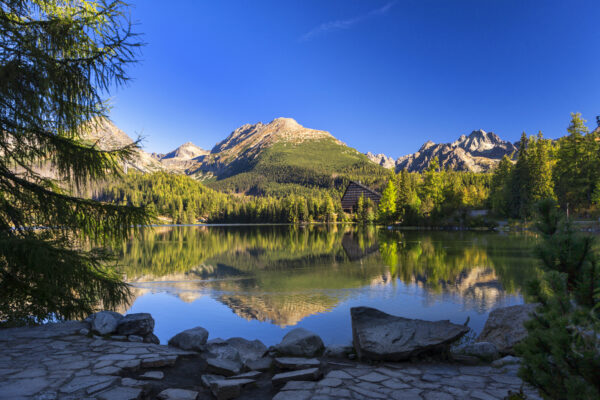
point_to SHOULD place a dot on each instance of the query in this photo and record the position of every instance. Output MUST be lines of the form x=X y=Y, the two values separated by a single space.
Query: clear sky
x=380 y=75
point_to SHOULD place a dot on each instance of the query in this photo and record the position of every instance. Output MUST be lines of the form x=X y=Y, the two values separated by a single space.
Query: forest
x=566 y=170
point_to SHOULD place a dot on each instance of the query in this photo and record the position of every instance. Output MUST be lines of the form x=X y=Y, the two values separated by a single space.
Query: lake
x=259 y=282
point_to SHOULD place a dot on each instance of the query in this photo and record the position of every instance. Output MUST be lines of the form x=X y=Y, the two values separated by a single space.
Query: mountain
x=282 y=157
x=185 y=157
x=478 y=152
x=381 y=159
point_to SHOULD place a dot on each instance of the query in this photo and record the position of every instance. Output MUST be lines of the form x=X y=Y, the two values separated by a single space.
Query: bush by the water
x=561 y=355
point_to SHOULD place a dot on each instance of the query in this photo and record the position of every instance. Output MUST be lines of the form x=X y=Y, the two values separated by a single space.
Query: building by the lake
x=353 y=193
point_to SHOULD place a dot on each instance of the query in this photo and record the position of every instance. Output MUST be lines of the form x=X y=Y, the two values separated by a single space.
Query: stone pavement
x=403 y=381
x=56 y=361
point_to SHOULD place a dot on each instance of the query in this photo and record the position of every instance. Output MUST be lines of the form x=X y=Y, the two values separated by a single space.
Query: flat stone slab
x=309 y=374
x=177 y=394
x=381 y=336
x=223 y=366
x=228 y=389
x=153 y=375
x=121 y=393
x=295 y=363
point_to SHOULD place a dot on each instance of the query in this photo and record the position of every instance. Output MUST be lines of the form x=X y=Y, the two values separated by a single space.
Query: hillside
x=480 y=151
x=283 y=157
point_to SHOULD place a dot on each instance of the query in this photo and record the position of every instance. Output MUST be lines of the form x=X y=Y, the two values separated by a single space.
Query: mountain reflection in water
x=281 y=275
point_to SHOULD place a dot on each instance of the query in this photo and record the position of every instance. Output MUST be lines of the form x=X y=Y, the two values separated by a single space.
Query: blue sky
x=382 y=76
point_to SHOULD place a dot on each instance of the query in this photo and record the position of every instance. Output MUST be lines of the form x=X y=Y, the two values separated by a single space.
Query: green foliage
x=307 y=168
x=386 y=213
x=57 y=61
x=561 y=353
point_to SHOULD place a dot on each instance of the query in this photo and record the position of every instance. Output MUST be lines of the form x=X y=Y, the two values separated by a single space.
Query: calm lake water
x=259 y=282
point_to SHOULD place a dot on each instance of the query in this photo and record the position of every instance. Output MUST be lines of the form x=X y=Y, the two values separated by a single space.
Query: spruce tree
x=57 y=61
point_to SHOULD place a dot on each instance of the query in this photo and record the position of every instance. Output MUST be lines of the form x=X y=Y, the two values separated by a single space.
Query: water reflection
x=281 y=275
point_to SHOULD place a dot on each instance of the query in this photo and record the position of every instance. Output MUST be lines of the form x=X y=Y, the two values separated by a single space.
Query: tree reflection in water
x=282 y=274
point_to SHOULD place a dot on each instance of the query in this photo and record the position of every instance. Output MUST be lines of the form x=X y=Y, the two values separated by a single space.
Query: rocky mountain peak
x=381 y=159
x=427 y=145
x=186 y=151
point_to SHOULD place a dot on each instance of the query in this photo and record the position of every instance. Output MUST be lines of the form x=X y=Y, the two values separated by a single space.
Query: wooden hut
x=353 y=193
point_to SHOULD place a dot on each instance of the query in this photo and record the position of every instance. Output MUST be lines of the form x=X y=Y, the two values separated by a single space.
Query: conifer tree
x=387 y=204
x=57 y=61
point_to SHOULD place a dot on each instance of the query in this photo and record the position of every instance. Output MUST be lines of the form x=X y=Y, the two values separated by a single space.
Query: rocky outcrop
x=104 y=322
x=381 y=336
x=478 y=152
x=381 y=159
x=190 y=339
x=141 y=324
x=504 y=327
x=301 y=343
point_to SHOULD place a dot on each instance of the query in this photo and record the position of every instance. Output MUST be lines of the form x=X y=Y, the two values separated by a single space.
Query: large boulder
x=219 y=348
x=381 y=336
x=190 y=339
x=484 y=351
x=300 y=342
x=504 y=326
x=104 y=322
x=248 y=349
x=140 y=324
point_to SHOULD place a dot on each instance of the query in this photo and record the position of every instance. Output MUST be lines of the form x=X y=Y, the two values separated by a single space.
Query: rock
x=219 y=348
x=121 y=393
x=296 y=363
x=464 y=359
x=300 y=342
x=248 y=349
x=338 y=351
x=84 y=332
x=207 y=379
x=190 y=339
x=140 y=324
x=310 y=374
x=485 y=351
x=118 y=337
x=504 y=327
x=105 y=322
x=381 y=336
x=246 y=375
x=507 y=360
x=228 y=389
x=223 y=366
x=151 y=338
x=177 y=394
x=262 y=364
x=135 y=338
x=153 y=375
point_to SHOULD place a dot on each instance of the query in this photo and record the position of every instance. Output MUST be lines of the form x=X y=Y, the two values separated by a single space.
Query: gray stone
x=507 y=360
x=246 y=375
x=151 y=338
x=295 y=363
x=299 y=385
x=190 y=339
x=406 y=394
x=135 y=338
x=395 y=384
x=381 y=336
x=504 y=326
x=132 y=382
x=219 y=348
x=373 y=377
x=224 y=367
x=118 y=337
x=105 y=322
x=261 y=364
x=293 y=395
x=300 y=342
x=309 y=374
x=177 y=394
x=248 y=349
x=140 y=324
x=330 y=382
x=22 y=387
x=85 y=382
x=338 y=351
x=121 y=393
x=153 y=375
x=437 y=396
x=110 y=370
x=339 y=374
x=482 y=350
x=207 y=379
x=84 y=331
x=158 y=361
x=228 y=389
